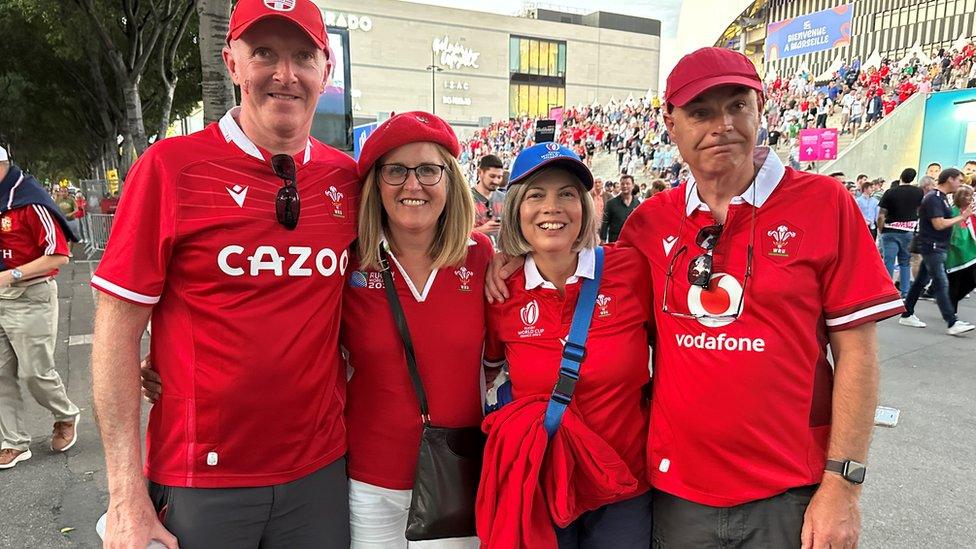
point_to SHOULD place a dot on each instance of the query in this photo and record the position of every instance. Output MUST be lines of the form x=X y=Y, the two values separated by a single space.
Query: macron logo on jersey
x=669 y=243
x=238 y=193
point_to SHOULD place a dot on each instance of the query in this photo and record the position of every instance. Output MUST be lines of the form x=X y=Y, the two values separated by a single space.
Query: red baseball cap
x=404 y=128
x=303 y=13
x=706 y=68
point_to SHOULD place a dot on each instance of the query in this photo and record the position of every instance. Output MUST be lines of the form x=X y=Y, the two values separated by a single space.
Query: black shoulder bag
x=449 y=462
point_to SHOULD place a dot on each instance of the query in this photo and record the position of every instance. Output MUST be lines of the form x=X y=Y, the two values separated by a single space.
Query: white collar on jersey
x=419 y=296
x=770 y=174
x=585 y=267
x=234 y=134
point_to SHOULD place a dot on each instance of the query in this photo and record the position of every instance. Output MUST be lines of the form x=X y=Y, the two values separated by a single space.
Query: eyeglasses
x=427 y=175
x=700 y=268
x=287 y=204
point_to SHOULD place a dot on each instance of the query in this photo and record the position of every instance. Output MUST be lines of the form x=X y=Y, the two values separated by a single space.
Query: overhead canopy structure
x=873 y=60
x=961 y=42
x=915 y=50
x=828 y=74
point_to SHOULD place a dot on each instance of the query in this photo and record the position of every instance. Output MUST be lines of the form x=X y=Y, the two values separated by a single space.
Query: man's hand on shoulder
x=501 y=267
x=833 y=518
x=132 y=523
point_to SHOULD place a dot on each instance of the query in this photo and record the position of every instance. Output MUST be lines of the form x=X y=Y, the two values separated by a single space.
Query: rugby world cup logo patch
x=530 y=315
x=464 y=275
x=336 y=196
x=552 y=146
x=280 y=5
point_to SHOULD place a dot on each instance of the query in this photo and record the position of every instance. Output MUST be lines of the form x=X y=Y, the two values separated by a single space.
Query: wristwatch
x=17 y=274
x=851 y=470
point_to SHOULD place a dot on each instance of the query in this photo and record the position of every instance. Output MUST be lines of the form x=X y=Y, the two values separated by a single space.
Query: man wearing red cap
x=234 y=242
x=755 y=441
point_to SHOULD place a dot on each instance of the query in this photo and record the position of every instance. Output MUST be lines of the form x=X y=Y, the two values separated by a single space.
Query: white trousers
x=378 y=520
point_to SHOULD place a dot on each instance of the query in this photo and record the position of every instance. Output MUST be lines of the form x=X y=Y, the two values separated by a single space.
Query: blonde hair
x=510 y=238
x=450 y=245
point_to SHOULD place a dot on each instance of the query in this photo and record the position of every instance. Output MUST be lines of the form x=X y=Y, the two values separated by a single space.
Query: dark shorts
x=771 y=522
x=311 y=512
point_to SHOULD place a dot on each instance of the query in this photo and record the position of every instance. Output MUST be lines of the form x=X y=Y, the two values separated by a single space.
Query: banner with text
x=809 y=33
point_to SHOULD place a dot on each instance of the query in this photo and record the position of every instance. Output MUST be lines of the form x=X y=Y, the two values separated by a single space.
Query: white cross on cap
x=3 y=155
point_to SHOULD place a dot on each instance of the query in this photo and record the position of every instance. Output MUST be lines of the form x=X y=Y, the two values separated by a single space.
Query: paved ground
x=920 y=481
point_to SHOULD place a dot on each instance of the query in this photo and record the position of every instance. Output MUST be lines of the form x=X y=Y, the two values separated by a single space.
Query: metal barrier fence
x=97 y=228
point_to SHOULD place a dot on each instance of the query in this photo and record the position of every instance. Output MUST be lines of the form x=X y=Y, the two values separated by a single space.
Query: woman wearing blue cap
x=564 y=463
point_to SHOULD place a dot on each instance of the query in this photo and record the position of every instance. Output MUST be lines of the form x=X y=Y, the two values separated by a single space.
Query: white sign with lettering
x=454 y=55
x=349 y=21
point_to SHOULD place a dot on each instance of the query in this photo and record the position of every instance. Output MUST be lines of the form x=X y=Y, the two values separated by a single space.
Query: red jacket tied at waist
x=528 y=482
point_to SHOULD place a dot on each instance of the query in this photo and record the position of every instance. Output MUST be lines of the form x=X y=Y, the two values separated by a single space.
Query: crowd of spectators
x=861 y=94
x=632 y=130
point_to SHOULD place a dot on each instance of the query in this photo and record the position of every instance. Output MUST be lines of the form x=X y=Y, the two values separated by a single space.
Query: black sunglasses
x=700 y=268
x=287 y=204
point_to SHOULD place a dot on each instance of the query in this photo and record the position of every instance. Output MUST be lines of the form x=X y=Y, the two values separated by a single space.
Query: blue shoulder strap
x=574 y=352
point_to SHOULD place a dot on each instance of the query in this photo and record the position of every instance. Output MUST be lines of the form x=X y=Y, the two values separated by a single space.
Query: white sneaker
x=912 y=321
x=960 y=327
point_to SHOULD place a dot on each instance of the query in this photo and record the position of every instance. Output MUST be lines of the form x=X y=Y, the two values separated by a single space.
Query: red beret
x=405 y=128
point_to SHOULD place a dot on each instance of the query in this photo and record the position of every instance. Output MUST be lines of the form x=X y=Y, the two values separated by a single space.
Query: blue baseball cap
x=547 y=155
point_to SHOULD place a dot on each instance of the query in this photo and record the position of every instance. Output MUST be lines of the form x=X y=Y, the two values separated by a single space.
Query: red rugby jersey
x=741 y=408
x=530 y=329
x=245 y=319
x=446 y=319
x=29 y=232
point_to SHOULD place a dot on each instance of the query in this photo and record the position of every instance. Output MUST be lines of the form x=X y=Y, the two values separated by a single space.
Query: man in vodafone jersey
x=233 y=240
x=755 y=441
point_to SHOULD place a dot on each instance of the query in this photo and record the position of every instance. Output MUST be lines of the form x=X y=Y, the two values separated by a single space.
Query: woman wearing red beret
x=417 y=209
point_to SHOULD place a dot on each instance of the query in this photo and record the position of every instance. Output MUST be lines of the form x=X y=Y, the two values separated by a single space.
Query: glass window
x=533 y=100
x=912 y=16
x=970 y=6
x=886 y=21
x=533 y=57
x=513 y=54
x=524 y=56
x=562 y=59
x=544 y=58
x=554 y=60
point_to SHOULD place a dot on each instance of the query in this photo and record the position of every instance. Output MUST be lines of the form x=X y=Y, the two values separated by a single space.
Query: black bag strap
x=401 y=322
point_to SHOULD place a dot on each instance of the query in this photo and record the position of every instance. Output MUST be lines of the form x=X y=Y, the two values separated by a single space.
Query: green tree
x=64 y=106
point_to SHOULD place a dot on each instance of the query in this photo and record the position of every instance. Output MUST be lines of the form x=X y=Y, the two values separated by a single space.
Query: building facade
x=470 y=67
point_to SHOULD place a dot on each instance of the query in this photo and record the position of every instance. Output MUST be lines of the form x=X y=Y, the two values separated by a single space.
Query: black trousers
x=311 y=512
x=622 y=525
x=766 y=523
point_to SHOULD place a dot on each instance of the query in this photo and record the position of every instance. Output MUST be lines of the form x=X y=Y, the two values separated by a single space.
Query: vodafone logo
x=720 y=299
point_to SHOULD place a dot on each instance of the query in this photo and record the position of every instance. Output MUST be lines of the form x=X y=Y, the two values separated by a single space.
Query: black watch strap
x=851 y=470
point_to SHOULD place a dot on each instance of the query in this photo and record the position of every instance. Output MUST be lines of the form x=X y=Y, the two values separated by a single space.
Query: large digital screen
x=332 y=123
x=809 y=33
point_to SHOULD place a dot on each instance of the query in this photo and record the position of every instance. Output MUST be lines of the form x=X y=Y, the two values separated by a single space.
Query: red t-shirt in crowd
x=29 y=232
x=888 y=106
x=245 y=320
x=530 y=329
x=446 y=319
x=741 y=408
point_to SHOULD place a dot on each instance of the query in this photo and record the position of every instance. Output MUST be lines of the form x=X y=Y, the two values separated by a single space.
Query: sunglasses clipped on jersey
x=288 y=206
